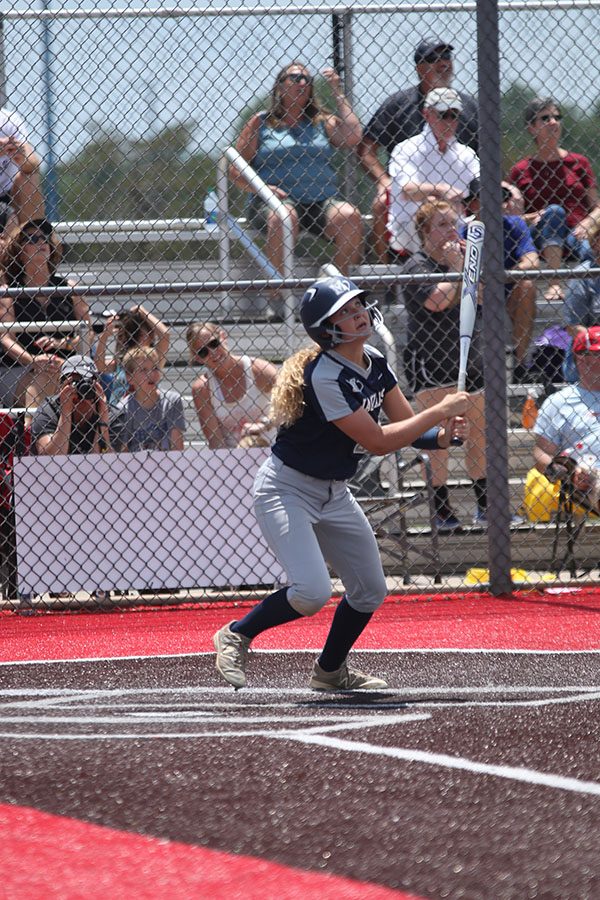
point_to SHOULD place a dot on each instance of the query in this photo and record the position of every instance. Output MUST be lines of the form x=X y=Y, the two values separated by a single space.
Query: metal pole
x=52 y=208
x=2 y=64
x=488 y=72
x=336 y=39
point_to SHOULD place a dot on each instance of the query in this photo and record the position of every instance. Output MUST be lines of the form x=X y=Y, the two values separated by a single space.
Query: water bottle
x=211 y=207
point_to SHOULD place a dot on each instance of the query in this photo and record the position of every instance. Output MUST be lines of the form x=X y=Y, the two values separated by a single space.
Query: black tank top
x=29 y=309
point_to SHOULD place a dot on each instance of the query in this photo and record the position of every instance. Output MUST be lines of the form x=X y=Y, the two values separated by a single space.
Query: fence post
x=2 y=64
x=488 y=72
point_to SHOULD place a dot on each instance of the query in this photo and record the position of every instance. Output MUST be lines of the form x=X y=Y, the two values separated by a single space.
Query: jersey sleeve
x=332 y=398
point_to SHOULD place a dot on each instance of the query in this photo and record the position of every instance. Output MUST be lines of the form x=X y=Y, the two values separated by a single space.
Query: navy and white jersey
x=334 y=387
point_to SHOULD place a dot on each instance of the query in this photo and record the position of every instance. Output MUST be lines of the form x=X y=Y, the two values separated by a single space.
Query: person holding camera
x=76 y=420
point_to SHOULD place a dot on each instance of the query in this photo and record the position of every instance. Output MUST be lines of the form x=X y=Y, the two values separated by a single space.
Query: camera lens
x=86 y=388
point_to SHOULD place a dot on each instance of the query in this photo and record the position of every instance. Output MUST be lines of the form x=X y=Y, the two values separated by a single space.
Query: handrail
x=282 y=212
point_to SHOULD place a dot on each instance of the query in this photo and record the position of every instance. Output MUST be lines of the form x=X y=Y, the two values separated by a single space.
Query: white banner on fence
x=142 y=521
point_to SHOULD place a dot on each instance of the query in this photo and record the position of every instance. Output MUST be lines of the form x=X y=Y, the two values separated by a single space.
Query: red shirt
x=566 y=182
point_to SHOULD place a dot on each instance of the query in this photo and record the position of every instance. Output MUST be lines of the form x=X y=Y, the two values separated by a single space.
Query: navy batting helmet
x=324 y=299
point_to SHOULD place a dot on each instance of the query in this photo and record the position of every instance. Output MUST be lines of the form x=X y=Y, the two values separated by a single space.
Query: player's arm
x=381 y=439
x=544 y=452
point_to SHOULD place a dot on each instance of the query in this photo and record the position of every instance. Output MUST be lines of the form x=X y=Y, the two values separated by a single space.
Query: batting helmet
x=324 y=299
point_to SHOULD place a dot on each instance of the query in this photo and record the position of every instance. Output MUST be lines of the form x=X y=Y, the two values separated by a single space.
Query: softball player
x=326 y=404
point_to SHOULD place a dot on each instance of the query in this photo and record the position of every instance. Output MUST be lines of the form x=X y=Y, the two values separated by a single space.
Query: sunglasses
x=451 y=115
x=547 y=117
x=436 y=56
x=203 y=352
x=296 y=78
x=35 y=238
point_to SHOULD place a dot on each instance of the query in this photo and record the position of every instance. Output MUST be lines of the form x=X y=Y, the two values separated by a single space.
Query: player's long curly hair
x=287 y=397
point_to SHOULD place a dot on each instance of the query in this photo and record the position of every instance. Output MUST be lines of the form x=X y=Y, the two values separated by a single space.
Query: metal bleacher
x=250 y=331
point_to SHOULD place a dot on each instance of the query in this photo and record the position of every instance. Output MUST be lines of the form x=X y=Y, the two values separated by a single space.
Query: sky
x=137 y=75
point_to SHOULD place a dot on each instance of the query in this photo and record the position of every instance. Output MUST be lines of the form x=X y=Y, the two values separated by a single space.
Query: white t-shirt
x=420 y=160
x=11 y=125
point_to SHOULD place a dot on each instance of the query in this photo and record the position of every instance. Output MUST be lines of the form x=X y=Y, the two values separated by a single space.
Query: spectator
x=569 y=420
x=134 y=327
x=519 y=253
x=30 y=362
x=291 y=147
x=232 y=399
x=401 y=117
x=559 y=191
x=431 y=165
x=76 y=420
x=432 y=351
x=21 y=198
x=581 y=308
x=148 y=418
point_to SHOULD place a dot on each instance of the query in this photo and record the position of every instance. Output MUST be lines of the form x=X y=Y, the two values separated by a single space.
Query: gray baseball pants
x=307 y=521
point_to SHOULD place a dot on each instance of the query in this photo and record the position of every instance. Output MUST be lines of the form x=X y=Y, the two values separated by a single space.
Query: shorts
x=312 y=216
x=428 y=370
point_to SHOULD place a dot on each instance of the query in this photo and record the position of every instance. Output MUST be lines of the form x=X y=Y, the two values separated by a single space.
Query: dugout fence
x=136 y=114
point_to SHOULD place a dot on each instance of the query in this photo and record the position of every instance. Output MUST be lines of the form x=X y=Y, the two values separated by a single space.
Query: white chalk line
x=506 y=651
x=512 y=773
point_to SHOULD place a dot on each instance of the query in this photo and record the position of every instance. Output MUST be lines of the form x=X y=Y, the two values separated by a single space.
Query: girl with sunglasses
x=291 y=146
x=232 y=397
x=559 y=190
x=30 y=362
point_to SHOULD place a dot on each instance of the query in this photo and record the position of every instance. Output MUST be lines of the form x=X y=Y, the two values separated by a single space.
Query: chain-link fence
x=172 y=180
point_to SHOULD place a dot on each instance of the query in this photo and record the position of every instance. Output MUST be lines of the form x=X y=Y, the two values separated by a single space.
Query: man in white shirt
x=432 y=164
x=20 y=184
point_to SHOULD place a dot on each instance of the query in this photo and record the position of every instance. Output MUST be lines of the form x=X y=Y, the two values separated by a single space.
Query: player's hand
x=453 y=405
x=453 y=430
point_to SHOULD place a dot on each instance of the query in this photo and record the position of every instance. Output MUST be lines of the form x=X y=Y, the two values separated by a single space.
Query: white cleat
x=232 y=650
x=344 y=679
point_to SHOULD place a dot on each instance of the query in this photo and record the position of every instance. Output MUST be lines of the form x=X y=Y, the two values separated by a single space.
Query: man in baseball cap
x=569 y=420
x=83 y=366
x=587 y=341
x=400 y=118
x=76 y=420
x=443 y=100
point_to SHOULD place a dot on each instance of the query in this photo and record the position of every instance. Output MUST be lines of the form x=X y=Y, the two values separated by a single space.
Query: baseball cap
x=587 y=341
x=428 y=46
x=443 y=99
x=79 y=365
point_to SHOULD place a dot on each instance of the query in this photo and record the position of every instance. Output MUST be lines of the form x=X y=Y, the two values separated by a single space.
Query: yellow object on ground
x=480 y=577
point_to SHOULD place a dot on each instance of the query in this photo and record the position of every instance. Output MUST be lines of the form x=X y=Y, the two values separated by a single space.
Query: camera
x=86 y=388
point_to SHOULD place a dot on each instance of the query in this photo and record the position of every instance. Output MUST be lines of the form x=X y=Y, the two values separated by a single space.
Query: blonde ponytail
x=287 y=397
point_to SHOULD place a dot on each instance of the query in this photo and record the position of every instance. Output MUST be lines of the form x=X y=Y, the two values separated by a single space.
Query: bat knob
x=456 y=442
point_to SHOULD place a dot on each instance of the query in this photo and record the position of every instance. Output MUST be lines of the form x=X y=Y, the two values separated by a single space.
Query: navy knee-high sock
x=347 y=626
x=273 y=610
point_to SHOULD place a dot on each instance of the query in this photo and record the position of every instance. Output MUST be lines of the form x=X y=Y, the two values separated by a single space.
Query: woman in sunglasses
x=559 y=191
x=291 y=146
x=30 y=362
x=232 y=397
